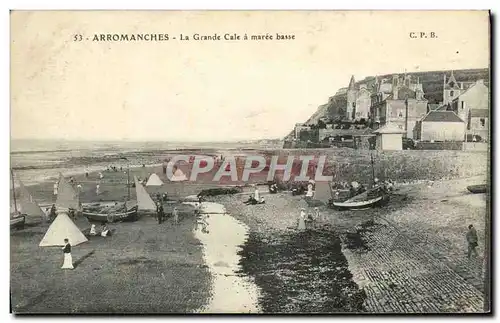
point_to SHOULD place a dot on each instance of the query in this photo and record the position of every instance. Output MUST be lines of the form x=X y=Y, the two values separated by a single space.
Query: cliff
x=432 y=83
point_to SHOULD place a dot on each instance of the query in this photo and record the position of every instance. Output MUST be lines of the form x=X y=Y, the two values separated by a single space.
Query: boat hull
x=478 y=189
x=130 y=215
x=357 y=205
x=17 y=222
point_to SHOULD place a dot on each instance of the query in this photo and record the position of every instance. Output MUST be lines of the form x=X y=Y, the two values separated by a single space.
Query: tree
x=321 y=124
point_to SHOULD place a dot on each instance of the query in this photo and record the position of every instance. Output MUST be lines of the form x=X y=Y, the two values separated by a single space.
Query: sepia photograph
x=250 y=162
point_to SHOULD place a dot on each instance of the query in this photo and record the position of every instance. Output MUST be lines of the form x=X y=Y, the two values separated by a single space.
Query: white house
x=389 y=137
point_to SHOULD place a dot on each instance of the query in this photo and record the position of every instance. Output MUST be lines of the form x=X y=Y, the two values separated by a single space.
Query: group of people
x=161 y=216
x=305 y=219
x=114 y=168
x=255 y=198
x=104 y=232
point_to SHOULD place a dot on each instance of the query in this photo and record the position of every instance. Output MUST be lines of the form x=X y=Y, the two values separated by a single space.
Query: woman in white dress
x=256 y=195
x=93 y=231
x=68 y=260
x=302 y=220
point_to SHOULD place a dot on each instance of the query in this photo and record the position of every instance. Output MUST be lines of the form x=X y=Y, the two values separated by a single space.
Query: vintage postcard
x=250 y=162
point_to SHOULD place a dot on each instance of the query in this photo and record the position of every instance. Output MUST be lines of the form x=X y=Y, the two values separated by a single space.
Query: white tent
x=154 y=180
x=144 y=201
x=178 y=176
x=62 y=228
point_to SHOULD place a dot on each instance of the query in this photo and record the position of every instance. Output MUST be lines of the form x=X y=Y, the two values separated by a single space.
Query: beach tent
x=28 y=205
x=178 y=176
x=67 y=197
x=144 y=201
x=322 y=192
x=154 y=180
x=62 y=228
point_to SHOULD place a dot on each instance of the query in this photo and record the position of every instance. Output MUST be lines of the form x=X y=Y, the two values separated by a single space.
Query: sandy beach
x=408 y=256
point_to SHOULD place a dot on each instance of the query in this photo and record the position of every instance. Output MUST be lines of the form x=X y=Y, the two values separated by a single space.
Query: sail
x=28 y=205
x=144 y=201
x=322 y=191
x=67 y=197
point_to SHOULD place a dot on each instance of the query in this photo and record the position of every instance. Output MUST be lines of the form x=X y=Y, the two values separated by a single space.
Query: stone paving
x=401 y=277
x=414 y=258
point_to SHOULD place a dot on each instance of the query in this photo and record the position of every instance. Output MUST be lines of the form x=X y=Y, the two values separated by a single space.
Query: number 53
x=77 y=37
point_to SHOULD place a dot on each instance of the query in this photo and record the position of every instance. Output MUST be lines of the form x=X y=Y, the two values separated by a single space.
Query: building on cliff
x=472 y=106
x=400 y=102
x=440 y=126
x=453 y=89
x=358 y=101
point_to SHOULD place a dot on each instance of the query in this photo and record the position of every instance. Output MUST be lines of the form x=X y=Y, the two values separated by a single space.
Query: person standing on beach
x=256 y=195
x=52 y=214
x=176 y=216
x=56 y=186
x=68 y=260
x=302 y=220
x=97 y=191
x=317 y=214
x=160 y=212
x=471 y=238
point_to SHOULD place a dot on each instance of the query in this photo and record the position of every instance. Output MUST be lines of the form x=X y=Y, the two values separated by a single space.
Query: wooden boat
x=129 y=215
x=477 y=189
x=17 y=222
x=375 y=196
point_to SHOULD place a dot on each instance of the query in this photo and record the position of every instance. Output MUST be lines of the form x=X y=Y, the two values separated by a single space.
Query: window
x=463 y=105
x=483 y=122
x=400 y=126
x=400 y=113
x=451 y=93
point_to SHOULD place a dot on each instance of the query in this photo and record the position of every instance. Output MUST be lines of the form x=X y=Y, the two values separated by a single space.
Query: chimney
x=395 y=80
x=395 y=84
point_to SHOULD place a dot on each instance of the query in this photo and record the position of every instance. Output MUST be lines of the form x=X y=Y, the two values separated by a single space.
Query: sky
x=214 y=90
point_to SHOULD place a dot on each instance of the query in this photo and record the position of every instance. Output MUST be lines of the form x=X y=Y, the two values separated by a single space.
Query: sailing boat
x=369 y=198
x=29 y=206
x=67 y=197
x=114 y=211
x=16 y=220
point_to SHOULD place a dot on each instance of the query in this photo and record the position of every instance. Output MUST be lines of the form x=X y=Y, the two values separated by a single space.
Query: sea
x=35 y=160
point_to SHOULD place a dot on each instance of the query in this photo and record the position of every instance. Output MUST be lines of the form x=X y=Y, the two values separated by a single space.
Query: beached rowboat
x=362 y=204
x=17 y=222
x=477 y=189
x=130 y=215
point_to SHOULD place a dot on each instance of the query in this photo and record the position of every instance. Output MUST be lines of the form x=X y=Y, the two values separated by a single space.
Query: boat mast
x=373 y=168
x=128 y=178
x=13 y=190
